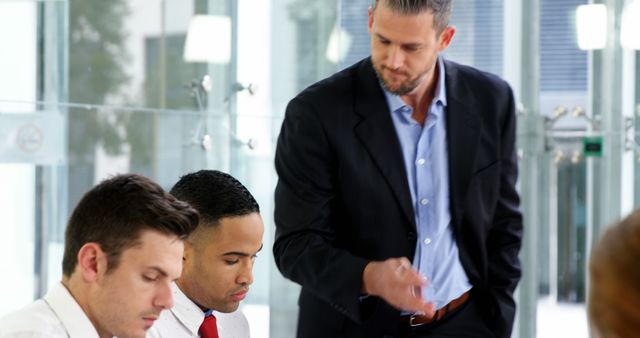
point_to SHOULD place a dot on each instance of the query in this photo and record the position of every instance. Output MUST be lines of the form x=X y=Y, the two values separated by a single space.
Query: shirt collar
x=441 y=89
x=69 y=312
x=186 y=311
x=395 y=102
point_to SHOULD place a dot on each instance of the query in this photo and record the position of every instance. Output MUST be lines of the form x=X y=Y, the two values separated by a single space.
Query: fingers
x=398 y=283
x=407 y=274
x=390 y=276
x=402 y=262
x=416 y=291
x=428 y=309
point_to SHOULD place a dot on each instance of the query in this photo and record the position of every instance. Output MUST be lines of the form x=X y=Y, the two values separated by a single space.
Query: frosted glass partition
x=18 y=66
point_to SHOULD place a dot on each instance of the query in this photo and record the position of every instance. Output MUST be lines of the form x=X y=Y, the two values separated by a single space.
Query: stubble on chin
x=403 y=89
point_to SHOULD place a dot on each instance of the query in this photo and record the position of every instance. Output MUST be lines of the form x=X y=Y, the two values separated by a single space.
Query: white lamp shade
x=208 y=39
x=591 y=26
x=630 y=26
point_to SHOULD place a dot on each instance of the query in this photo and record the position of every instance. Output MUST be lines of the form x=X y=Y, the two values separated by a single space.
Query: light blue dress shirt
x=424 y=150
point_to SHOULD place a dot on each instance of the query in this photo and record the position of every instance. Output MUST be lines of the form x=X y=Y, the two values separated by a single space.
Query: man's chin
x=229 y=307
x=398 y=90
x=234 y=307
x=140 y=333
x=395 y=87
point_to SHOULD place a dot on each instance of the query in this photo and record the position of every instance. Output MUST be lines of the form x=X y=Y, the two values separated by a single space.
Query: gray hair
x=441 y=9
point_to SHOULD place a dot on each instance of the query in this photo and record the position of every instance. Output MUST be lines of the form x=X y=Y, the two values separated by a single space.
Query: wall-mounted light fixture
x=208 y=39
x=591 y=26
x=630 y=26
x=338 y=45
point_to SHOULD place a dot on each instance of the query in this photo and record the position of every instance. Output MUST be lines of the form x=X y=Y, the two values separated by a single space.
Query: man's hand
x=395 y=281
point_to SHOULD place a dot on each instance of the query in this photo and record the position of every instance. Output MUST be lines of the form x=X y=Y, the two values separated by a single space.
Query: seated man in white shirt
x=218 y=259
x=123 y=249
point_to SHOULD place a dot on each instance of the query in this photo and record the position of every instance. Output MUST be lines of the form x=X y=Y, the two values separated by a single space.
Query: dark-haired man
x=396 y=207
x=218 y=259
x=123 y=248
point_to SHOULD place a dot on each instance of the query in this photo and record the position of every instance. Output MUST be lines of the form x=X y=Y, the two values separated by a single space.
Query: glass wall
x=27 y=145
x=92 y=88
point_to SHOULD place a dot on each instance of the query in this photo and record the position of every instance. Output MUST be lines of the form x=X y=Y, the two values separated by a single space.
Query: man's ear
x=92 y=262
x=445 y=38
x=188 y=250
x=370 y=20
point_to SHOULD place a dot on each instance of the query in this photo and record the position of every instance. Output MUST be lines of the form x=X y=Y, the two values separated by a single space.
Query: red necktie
x=209 y=329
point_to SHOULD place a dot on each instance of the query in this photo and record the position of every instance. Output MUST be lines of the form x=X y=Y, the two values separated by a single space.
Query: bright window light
x=338 y=45
x=208 y=39
x=591 y=26
x=630 y=27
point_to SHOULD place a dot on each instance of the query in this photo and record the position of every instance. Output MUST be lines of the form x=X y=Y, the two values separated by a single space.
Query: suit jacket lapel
x=378 y=135
x=463 y=132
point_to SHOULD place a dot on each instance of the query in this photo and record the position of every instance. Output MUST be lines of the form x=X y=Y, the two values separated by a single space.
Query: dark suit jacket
x=342 y=197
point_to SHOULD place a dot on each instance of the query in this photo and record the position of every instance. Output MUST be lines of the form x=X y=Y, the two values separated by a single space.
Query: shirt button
x=427 y=241
x=420 y=161
x=424 y=201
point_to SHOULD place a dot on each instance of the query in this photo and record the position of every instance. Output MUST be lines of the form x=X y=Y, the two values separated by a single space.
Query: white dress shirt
x=184 y=319
x=56 y=315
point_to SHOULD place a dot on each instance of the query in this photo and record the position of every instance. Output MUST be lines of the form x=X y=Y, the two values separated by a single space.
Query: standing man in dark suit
x=396 y=205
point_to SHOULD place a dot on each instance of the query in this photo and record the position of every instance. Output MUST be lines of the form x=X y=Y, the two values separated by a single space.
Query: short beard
x=404 y=89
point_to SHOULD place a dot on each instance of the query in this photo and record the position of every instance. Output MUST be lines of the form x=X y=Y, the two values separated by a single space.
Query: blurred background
x=90 y=88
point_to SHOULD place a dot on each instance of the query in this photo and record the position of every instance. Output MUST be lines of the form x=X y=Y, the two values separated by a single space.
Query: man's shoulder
x=342 y=83
x=473 y=76
x=232 y=324
x=21 y=323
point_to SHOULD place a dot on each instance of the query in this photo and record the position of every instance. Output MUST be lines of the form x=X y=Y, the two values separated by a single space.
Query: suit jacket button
x=411 y=236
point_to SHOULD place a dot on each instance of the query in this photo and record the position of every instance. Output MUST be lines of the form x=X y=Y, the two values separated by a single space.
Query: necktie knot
x=209 y=328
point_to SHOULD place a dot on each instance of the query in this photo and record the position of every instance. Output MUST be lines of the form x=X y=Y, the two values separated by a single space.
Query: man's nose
x=164 y=297
x=395 y=57
x=246 y=274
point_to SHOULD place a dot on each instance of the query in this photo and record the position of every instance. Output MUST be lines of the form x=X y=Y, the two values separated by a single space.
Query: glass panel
x=479 y=34
x=131 y=53
x=20 y=87
x=563 y=235
x=299 y=39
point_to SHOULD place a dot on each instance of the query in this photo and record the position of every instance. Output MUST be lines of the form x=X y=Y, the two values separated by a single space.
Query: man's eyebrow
x=241 y=254
x=236 y=253
x=380 y=36
x=409 y=44
x=412 y=45
x=159 y=270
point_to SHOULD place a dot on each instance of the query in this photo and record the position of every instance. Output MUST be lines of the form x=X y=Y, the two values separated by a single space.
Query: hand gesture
x=398 y=283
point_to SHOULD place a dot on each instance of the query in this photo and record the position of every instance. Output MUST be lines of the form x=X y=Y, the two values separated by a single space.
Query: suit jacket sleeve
x=305 y=200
